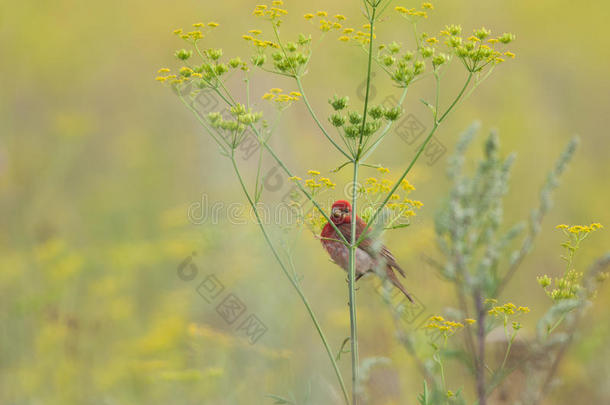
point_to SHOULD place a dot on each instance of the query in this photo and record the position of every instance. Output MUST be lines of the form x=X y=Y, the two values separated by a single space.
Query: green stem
x=417 y=155
x=292 y=280
x=368 y=80
x=384 y=133
x=317 y=121
x=352 y=291
x=510 y=344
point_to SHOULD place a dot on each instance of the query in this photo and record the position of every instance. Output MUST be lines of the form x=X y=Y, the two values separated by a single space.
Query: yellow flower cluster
x=201 y=29
x=277 y=96
x=273 y=12
x=375 y=190
x=412 y=12
x=507 y=309
x=326 y=24
x=580 y=229
x=475 y=53
x=568 y=285
x=171 y=79
x=316 y=183
x=445 y=327
x=362 y=37
x=251 y=36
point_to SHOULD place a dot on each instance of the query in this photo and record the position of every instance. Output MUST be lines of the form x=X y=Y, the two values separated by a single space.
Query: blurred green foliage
x=99 y=165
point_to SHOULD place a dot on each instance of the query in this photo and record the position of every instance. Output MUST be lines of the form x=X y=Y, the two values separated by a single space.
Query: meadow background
x=99 y=165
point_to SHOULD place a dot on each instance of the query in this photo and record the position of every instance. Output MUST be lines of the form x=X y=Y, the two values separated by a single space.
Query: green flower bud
x=338 y=103
x=482 y=33
x=371 y=127
x=235 y=62
x=238 y=109
x=290 y=46
x=394 y=48
x=221 y=69
x=337 y=120
x=354 y=118
x=461 y=51
x=388 y=60
x=455 y=41
x=259 y=60
x=352 y=131
x=183 y=54
x=439 y=59
x=408 y=56
x=544 y=281
x=215 y=118
x=301 y=59
x=246 y=119
x=214 y=54
x=376 y=112
x=427 y=51
x=507 y=38
x=303 y=40
x=393 y=114
x=454 y=29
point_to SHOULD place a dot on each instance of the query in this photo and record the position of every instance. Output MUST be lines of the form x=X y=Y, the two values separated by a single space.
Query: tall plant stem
x=368 y=81
x=352 y=291
x=480 y=366
x=353 y=245
x=292 y=280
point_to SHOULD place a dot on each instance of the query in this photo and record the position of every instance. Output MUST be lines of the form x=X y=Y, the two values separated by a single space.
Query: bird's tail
x=392 y=277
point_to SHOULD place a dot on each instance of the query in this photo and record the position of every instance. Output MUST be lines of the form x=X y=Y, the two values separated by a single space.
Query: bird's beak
x=336 y=213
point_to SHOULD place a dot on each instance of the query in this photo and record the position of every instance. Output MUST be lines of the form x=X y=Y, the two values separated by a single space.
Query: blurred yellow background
x=99 y=165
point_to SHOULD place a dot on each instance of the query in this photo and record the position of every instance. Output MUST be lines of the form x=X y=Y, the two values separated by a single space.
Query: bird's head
x=341 y=212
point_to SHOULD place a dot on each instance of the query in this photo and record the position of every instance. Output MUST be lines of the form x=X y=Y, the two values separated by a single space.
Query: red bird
x=369 y=257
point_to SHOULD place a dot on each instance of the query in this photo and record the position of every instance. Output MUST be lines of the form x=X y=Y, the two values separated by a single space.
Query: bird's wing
x=368 y=245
